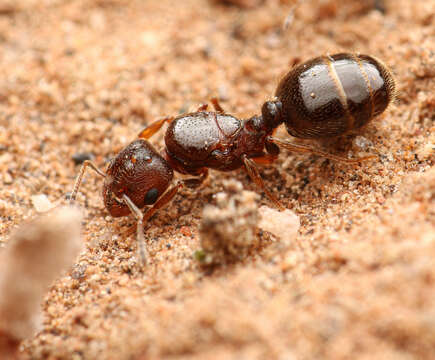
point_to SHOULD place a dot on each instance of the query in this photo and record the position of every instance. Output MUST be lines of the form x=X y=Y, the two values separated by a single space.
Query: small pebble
x=41 y=203
x=362 y=142
x=39 y=252
x=185 y=230
x=283 y=224
x=227 y=230
x=7 y=178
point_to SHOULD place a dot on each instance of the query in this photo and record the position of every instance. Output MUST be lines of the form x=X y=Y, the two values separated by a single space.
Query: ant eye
x=151 y=196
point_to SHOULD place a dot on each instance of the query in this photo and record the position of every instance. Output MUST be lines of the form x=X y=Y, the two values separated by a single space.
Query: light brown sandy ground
x=359 y=281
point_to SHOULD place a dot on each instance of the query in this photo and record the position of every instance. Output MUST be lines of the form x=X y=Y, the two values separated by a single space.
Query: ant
x=327 y=96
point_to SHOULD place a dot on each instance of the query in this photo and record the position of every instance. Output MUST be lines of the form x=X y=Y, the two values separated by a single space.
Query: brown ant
x=324 y=97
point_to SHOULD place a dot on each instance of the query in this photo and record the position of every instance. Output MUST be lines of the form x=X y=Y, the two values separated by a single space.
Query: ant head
x=271 y=113
x=139 y=172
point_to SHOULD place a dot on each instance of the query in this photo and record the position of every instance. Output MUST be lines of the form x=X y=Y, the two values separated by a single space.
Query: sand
x=80 y=79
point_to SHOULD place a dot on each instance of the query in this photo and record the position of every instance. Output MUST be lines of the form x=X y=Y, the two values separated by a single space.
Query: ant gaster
x=325 y=97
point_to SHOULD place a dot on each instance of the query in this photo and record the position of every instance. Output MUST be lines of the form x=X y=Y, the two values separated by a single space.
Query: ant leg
x=270 y=156
x=216 y=105
x=162 y=201
x=79 y=178
x=169 y=194
x=139 y=227
x=266 y=159
x=254 y=174
x=195 y=182
x=307 y=149
x=143 y=218
x=155 y=126
x=203 y=107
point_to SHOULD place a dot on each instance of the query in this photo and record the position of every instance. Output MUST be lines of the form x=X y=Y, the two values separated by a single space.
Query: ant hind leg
x=307 y=149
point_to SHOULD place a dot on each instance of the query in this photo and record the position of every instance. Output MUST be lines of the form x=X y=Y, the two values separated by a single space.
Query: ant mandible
x=323 y=97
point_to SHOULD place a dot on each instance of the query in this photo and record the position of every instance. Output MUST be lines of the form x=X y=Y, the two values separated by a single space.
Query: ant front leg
x=307 y=149
x=169 y=194
x=155 y=126
x=143 y=218
x=79 y=178
x=254 y=174
x=160 y=203
x=139 y=227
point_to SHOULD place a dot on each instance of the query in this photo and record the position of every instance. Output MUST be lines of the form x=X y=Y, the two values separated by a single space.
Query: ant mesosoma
x=323 y=97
